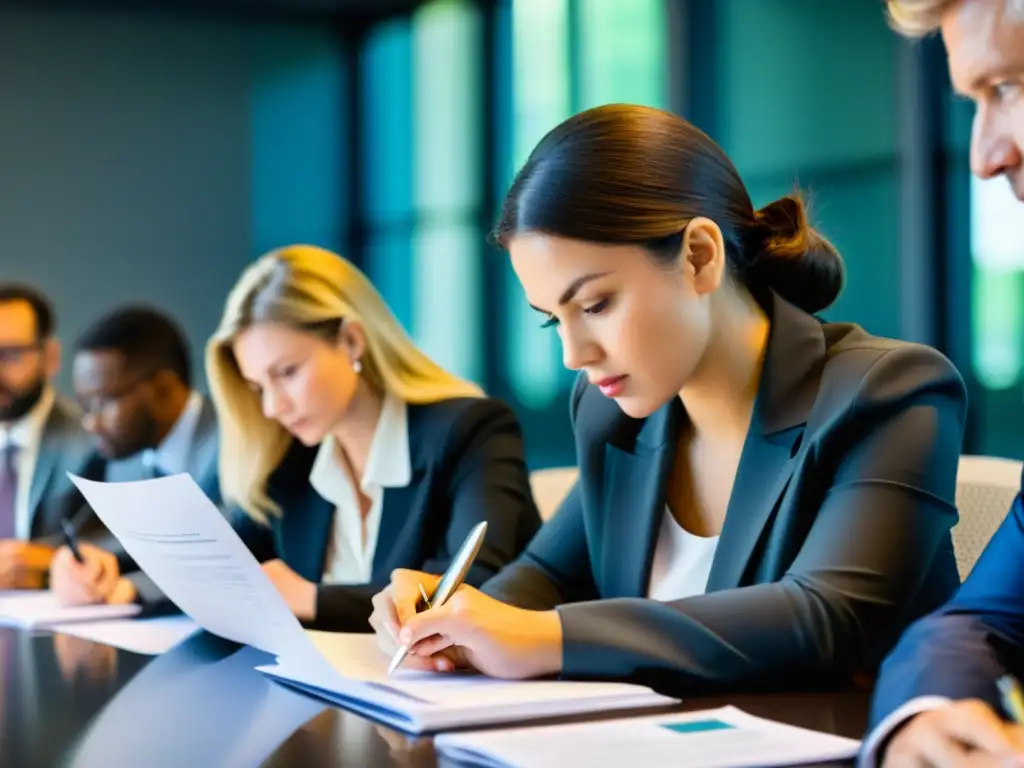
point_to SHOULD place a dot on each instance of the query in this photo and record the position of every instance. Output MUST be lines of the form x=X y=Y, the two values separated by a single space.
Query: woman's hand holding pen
x=470 y=630
x=394 y=606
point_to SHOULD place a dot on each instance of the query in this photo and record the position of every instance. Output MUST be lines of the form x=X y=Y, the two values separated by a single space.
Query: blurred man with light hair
x=939 y=700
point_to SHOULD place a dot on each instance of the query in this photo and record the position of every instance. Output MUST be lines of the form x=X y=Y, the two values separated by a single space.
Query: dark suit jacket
x=202 y=461
x=961 y=650
x=467 y=466
x=835 y=538
x=202 y=467
x=65 y=447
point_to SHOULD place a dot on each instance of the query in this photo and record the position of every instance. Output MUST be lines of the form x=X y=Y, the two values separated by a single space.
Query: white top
x=682 y=562
x=350 y=554
x=171 y=457
x=27 y=435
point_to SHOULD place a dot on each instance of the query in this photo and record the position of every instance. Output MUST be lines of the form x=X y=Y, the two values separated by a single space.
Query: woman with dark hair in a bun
x=764 y=499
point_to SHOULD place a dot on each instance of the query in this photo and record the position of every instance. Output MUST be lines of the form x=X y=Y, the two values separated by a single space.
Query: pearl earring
x=357 y=366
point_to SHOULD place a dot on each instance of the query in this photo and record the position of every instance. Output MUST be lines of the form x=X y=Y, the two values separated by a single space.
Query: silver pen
x=450 y=582
x=1013 y=700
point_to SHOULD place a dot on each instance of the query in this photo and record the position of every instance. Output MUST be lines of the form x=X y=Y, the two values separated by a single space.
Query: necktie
x=8 y=489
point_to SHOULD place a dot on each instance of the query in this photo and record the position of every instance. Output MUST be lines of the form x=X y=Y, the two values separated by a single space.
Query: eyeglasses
x=97 y=404
x=12 y=354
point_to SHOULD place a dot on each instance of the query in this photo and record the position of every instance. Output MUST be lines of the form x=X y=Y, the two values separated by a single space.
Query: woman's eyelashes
x=594 y=309
x=283 y=373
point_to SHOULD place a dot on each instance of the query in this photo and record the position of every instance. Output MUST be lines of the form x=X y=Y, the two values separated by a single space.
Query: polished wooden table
x=72 y=702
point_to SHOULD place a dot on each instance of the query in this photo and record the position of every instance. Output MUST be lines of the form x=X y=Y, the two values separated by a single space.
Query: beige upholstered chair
x=985 y=488
x=550 y=487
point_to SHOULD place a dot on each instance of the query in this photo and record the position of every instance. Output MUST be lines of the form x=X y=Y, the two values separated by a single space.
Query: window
x=421 y=177
x=541 y=100
x=622 y=53
x=997 y=311
x=996 y=318
x=448 y=194
x=386 y=172
x=620 y=47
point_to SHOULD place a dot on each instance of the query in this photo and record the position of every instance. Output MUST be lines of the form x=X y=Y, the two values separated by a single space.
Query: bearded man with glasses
x=41 y=439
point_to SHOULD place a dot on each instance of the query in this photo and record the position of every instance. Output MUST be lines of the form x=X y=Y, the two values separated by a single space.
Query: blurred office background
x=148 y=150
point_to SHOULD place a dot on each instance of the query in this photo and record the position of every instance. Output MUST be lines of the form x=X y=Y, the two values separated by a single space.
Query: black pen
x=71 y=539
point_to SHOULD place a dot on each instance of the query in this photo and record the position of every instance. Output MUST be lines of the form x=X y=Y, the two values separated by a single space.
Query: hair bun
x=794 y=259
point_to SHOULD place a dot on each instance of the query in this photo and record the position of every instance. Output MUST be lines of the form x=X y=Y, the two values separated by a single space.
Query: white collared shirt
x=682 y=561
x=27 y=435
x=350 y=555
x=172 y=456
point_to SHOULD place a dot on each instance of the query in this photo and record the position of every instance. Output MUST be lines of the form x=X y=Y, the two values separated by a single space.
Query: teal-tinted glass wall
x=800 y=93
x=807 y=96
x=426 y=105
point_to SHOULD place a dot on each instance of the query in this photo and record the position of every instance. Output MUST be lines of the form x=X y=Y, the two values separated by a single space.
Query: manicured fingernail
x=441 y=665
x=405 y=636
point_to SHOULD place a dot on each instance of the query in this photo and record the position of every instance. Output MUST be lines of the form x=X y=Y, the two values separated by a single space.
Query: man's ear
x=703 y=252
x=51 y=358
x=166 y=381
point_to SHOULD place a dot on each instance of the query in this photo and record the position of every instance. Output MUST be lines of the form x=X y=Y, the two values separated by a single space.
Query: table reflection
x=83 y=661
x=201 y=703
x=50 y=687
x=67 y=701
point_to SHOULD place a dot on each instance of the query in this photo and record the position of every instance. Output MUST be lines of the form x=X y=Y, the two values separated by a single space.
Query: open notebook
x=176 y=534
x=35 y=609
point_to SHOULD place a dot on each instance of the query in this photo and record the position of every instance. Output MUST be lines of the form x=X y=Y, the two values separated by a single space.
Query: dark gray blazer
x=835 y=539
x=202 y=463
x=65 y=447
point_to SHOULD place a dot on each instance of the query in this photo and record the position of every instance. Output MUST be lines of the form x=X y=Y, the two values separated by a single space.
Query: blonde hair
x=314 y=290
x=920 y=18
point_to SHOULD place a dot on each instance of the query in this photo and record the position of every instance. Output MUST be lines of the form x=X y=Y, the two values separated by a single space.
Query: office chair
x=550 y=487
x=985 y=488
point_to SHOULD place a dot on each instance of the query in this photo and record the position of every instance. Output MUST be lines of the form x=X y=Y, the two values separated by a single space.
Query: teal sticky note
x=698 y=726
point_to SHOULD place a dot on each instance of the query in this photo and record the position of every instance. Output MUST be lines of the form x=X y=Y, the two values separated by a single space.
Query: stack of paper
x=33 y=609
x=709 y=739
x=418 y=702
x=183 y=542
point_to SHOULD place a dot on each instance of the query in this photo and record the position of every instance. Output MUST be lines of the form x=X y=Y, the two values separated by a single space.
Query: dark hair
x=147 y=338
x=626 y=174
x=46 y=319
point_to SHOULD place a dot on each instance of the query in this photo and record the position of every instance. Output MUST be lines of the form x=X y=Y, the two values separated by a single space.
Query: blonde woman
x=348 y=451
x=344 y=450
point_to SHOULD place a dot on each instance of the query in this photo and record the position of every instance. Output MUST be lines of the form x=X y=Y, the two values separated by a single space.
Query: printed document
x=717 y=738
x=183 y=542
x=188 y=548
